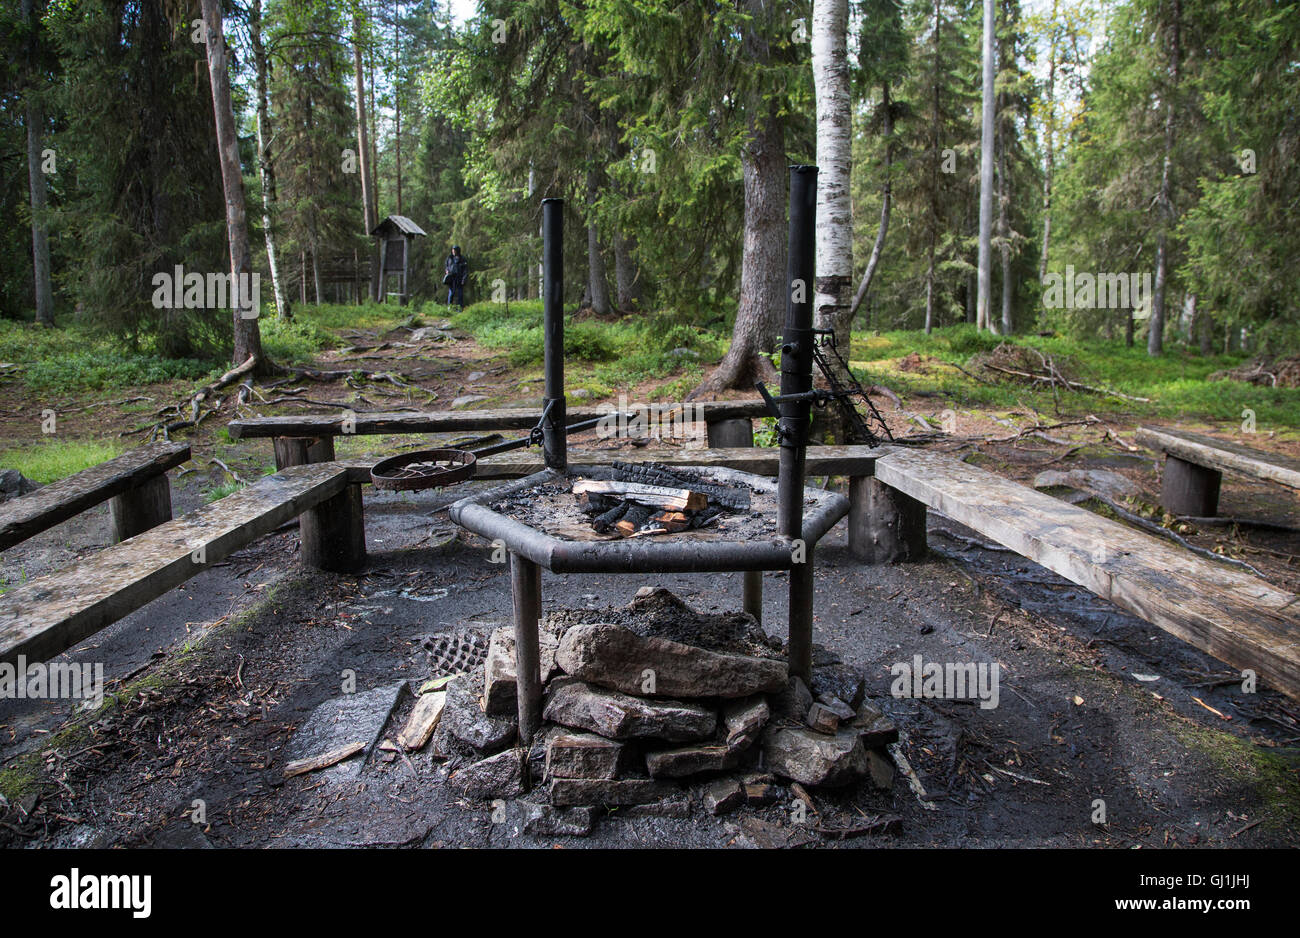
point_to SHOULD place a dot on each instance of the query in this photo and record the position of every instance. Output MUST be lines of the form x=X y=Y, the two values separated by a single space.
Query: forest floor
x=210 y=680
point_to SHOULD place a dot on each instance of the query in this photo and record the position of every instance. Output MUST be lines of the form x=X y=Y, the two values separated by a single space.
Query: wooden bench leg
x=753 y=602
x=1189 y=489
x=885 y=526
x=141 y=508
x=302 y=450
x=334 y=533
x=737 y=432
x=526 y=591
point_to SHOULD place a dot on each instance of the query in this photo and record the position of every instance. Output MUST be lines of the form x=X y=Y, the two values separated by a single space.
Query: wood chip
x=322 y=761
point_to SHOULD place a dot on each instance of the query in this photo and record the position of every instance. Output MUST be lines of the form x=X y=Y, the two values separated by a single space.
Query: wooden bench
x=52 y=613
x=136 y=483
x=1195 y=463
x=1237 y=618
x=309 y=438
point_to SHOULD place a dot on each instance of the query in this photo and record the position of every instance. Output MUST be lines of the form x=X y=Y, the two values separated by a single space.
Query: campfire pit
x=538 y=520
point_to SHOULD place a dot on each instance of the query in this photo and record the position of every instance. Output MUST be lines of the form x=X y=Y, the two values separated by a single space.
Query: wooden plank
x=53 y=613
x=849 y=461
x=1224 y=455
x=324 y=760
x=20 y=518
x=1237 y=618
x=459 y=421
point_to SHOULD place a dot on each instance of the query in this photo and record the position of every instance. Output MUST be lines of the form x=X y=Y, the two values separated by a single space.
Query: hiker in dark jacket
x=455 y=273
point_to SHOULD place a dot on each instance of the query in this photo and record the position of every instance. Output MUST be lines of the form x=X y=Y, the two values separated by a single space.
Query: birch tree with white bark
x=833 y=288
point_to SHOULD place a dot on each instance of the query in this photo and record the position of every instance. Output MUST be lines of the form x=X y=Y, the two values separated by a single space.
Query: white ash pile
x=655 y=709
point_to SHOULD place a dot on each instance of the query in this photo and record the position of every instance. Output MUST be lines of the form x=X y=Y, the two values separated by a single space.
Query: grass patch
x=51 y=460
x=1176 y=382
x=71 y=358
x=295 y=342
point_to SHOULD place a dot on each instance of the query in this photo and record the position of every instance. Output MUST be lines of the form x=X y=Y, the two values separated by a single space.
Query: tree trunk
x=1156 y=332
x=983 y=315
x=248 y=337
x=831 y=303
x=597 y=281
x=44 y=292
x=1049 y=135
x=1004 y=229
x=627 y=276
x=265 y=163
x=762 y=270
x=368 y=218
x=886 y=193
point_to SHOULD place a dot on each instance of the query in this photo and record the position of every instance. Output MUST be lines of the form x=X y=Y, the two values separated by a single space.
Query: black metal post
x=554 y=436
x=796 y=378
x=526 y=591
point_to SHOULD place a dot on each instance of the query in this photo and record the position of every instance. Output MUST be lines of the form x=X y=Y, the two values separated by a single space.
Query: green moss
x=1272 y=773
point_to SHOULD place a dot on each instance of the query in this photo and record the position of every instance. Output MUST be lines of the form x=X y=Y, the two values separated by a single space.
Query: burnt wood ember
x=724 y=496
x=626 y=505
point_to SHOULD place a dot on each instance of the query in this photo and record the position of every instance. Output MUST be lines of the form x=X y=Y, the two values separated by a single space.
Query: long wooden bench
x=53 y=613
x=136 y=483
x=728 y=424
x=1195 y=463
x=1237 y=618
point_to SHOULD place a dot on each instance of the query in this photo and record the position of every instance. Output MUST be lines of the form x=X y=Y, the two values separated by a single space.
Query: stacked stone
x=630 y=714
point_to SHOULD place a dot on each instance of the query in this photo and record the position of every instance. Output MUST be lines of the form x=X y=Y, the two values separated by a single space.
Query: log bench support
x=137 y=510
x=333 y=533
x=732 y=432
x=885 y=526
x=1189 y=489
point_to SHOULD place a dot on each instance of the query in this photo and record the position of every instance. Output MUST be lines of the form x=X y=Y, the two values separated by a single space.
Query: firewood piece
x=324 y=760
x=672 y=521
x=637 y=517
x=604 y=524
x=653 y=496
x=733 y=498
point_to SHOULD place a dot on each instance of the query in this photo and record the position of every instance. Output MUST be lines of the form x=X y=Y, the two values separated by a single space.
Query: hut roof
x=401 y=224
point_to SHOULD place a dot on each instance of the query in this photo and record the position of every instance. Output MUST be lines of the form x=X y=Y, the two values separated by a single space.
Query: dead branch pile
x=1281 y=372
x=1038 y=368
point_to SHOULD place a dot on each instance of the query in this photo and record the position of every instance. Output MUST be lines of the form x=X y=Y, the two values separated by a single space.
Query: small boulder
x=621 y=716
x=583 y=755
x=500 y=776
x=464 y=719
x=813 y=758
x=613 y=656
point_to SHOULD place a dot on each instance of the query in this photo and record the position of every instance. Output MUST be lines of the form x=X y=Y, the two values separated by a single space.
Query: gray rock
x=691 y=760
x=723 y=796
x=838 y=707
x=500 y=680
x=882 y=769
x=499 y=776
x=813 y=758
x=744 y=719
x=620 y=716
x=350 y=718
x=13 y=484
x=475 y=376
x=583 y=755
x=674 y=806
x=566 y=792
x=612 y=656
x=873 y=726
x=466 y=399
x=548 y=821
x=464 y=719
x=839 y=681
x=1112 y=485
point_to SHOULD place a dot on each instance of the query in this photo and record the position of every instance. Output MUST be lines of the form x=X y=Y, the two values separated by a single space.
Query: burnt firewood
x=604 y=524
x=729 y=497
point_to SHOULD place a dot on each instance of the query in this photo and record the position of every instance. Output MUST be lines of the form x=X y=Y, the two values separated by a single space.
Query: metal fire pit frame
x=669 y=553
x=531 y=550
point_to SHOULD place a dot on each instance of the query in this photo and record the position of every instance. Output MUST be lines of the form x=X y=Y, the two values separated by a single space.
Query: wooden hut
x=394 y=235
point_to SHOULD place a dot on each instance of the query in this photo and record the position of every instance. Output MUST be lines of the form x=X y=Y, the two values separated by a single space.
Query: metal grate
x=456 y=652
